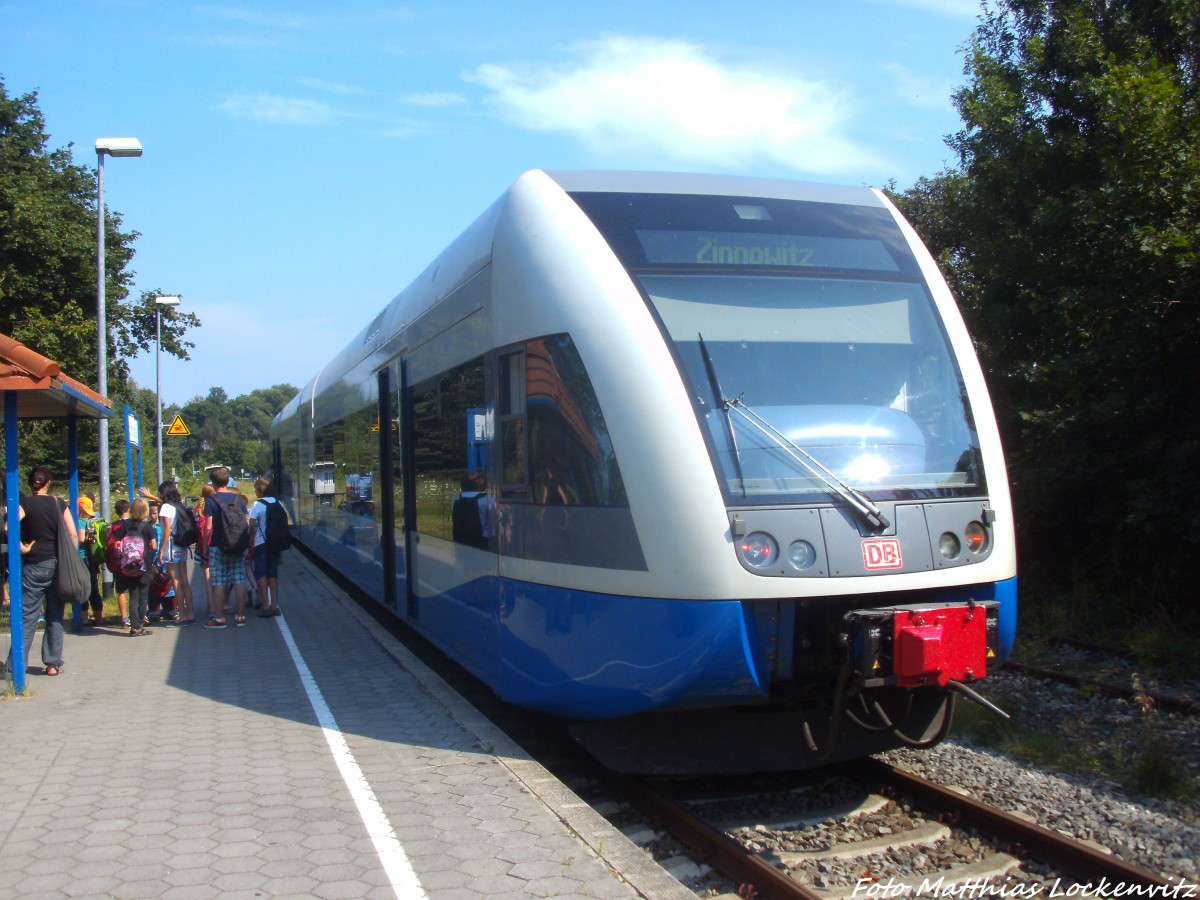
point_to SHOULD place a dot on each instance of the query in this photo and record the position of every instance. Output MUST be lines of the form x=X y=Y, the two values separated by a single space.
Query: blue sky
x=305 y=160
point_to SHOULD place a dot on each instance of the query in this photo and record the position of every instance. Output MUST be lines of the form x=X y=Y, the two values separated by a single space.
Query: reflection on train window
x=569 y=453
x=340 y=496
x=397 y=462
x=441 y=451
x=513 y=476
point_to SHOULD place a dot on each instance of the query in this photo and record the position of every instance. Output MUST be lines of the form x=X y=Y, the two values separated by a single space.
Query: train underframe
x=861 y=679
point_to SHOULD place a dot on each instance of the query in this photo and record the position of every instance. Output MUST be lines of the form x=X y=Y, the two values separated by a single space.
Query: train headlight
x=976 y=537
x=949 y=545
x=758 y=550
x=801 y=554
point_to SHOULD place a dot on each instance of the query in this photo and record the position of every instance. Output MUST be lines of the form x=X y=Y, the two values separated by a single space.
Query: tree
x=48 y=275
x=232 y=431
x=1072 y=232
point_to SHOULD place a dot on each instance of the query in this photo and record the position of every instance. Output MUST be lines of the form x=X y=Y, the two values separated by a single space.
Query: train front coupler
x=945 y=645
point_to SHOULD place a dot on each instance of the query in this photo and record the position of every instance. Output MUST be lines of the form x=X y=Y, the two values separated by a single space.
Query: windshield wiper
x=715 y=387
x=856 y=498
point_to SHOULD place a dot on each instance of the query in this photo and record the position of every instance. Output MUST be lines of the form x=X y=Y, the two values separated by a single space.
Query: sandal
x=52 y=670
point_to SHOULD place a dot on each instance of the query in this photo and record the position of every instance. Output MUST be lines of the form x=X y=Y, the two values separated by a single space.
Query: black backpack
x=277 y=538
x=184 y=531
x=230 y=533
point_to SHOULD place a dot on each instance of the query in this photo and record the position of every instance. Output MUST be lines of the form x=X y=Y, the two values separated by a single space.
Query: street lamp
x=159 y=303
x=111 y=147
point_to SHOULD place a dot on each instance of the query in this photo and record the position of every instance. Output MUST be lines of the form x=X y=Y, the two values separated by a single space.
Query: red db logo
x=882 y=553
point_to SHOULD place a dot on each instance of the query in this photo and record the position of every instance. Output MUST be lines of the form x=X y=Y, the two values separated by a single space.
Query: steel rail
x=714 y=846
x=1058 y=848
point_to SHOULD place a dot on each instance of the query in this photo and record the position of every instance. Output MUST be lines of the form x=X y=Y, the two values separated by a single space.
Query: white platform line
x=391 y=855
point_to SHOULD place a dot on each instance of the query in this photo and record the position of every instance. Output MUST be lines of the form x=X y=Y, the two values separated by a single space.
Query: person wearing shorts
x=225 y=570
x=173 y=557
x=266 y=565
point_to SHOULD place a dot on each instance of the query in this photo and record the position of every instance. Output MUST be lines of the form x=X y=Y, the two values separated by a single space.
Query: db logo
x=882 y=553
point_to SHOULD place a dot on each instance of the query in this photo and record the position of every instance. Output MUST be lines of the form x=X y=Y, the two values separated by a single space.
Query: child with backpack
x=271 y=538
x=121 y=510
x=181 y=532
x=132 y=548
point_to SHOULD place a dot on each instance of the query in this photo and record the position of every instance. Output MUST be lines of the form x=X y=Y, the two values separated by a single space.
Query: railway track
x=1011 y=850
x=1165 y=700
x=808 y=873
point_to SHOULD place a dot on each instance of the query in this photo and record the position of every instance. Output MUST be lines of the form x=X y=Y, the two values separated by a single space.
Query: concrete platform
x=308 y=755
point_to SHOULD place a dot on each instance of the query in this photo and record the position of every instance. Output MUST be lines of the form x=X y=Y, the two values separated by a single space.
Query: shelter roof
x=42 y=390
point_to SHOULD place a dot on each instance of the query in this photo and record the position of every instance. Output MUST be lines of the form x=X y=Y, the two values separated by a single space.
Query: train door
x=385 y=425
x=397 y=493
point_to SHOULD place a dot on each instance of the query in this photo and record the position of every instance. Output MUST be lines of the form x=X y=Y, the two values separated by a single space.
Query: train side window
x=554 y=444
x=440 y=409
x=514 y=477
x=571 y=457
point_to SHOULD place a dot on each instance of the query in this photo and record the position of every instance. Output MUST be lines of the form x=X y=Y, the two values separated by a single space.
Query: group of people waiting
x=161 y=590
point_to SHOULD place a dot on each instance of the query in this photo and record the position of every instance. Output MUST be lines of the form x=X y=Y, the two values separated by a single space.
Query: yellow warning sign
x=178 y=429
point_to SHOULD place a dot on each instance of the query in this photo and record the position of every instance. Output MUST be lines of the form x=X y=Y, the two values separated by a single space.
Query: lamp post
x=109 y=147
x=159 y=303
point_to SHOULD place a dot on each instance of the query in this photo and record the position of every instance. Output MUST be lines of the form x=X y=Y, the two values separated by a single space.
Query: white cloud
x=434 y=99
x=404 y=127
x=257 y=18
x=278 y=110
x=668 y=100
x=332 y=87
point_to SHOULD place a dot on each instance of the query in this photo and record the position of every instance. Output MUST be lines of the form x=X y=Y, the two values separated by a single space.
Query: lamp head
x=167 y=300
x=118 y=146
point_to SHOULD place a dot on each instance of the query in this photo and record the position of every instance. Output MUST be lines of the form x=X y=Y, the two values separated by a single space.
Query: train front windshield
x=808 y=340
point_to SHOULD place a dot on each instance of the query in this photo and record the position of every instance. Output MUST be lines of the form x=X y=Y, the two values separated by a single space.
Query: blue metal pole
x=129 y=445
x=73 y=462
x=16 y=603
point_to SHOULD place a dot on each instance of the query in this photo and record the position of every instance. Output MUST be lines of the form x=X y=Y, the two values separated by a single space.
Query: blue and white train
x=704 y=464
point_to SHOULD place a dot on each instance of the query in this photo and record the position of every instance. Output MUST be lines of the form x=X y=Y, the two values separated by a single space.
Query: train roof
x=614 y=182
x=472 y=249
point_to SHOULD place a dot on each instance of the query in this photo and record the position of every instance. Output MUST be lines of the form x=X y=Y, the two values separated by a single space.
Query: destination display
x=791 y=251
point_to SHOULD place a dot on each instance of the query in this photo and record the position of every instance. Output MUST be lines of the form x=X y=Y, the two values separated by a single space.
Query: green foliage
x=1147 y=764
x=232 y=432
x=1071 y=234
x=48 y=273
x=48 y=242
x=1156 y=770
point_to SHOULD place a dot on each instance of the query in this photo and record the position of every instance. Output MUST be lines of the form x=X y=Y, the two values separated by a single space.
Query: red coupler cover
x=939 y=645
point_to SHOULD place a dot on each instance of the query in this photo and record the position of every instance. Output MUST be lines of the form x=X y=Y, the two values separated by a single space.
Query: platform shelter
x=35 y=387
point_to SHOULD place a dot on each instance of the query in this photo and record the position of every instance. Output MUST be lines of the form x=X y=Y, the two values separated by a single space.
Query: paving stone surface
x=192 y=764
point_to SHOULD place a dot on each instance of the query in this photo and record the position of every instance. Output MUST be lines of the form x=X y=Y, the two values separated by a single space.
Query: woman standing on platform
x=40 y=515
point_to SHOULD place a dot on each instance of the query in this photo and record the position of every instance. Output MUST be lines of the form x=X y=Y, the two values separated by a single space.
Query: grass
x=1013 y=738
x=1153 y=767
x=1156 y=771
x=1146 y=615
